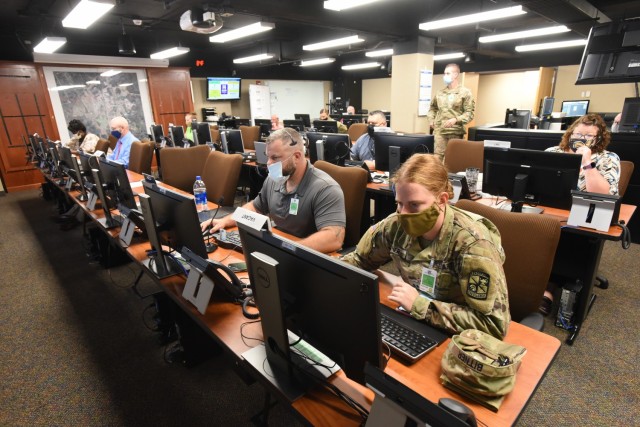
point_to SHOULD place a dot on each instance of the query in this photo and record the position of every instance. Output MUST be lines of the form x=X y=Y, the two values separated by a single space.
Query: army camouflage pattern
x=471 y=289
x=481 y=367
x=449 y=103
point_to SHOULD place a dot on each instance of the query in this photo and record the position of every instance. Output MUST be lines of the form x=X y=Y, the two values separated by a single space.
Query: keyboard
x=407 y=341
x=228 y=240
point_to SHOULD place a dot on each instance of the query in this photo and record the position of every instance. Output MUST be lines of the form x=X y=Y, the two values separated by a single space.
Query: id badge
x=428 y=281
x=293 y=207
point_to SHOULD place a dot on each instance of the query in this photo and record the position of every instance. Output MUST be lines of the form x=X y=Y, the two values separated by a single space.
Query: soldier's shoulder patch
x=478 y=285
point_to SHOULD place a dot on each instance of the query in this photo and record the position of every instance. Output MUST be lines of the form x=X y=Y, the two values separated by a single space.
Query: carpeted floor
x=76 y=349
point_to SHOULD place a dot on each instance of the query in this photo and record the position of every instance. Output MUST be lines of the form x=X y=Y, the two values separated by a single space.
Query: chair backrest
x=626 y=170
x=215 y=135
x=250 y=134
x=112 y=141
x=529 y=242
x=461 y=154
x=356 y=130
x=141 y=156
x=353 y=181
x=220 y=175
x=180 y=166
x=102 y=145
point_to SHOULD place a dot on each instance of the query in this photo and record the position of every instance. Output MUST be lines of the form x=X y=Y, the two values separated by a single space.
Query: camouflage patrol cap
x=481 y=367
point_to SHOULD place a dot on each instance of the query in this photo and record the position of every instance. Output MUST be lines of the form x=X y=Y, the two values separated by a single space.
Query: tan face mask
x=417 y=224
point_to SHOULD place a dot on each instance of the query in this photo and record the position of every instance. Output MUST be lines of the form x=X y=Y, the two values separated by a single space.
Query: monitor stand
x=520 y=208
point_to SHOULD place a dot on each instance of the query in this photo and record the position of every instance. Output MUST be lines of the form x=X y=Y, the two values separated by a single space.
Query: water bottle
x=200 y=193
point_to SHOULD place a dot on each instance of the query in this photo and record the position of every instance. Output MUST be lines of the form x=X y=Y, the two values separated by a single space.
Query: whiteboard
x=289 y=97
x=259 y=102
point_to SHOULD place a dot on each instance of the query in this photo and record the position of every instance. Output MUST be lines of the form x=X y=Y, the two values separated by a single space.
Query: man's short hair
x=287 y=134
x=379 y=113
x=453 y=65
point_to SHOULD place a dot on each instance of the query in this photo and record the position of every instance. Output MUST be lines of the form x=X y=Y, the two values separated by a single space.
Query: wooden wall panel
x=171 y=98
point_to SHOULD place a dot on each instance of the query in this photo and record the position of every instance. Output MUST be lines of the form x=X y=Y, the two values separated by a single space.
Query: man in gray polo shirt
x=300 y=199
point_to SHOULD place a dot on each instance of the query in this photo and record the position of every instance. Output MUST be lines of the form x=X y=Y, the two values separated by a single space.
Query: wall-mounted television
x=223 y=88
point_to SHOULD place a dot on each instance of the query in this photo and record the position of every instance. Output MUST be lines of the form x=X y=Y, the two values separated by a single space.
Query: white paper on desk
x=590 y=213
x=136 y=184
x=318 y=360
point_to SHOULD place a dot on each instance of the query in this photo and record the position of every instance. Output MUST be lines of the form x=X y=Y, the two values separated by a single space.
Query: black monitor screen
x=305 y=118
x=518 y=119
x=630 y=117
x=326 y=126
x=335 y=147
x=157 y=133
x=547 y=106
x=86 y=166
x=408 y=145
x=265 y=126
x=330 y=304
x=203 y=133
x=233 y=141
x=176 y=219
x=177 y=134
x=116 y=181
x=575 y=108
x=294 y=124
x=531 y=176
x=35 y=146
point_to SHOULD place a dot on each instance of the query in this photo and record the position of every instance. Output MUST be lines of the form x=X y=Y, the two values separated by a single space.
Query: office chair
x=356 y=130
x=180 y=166
x=626 y=170
x=141 y=156
x=102 y=145
x=220 y=175
x=353 y=181
x=461 y=154
x=112 y=141
x=529 y=242
x=250 y=134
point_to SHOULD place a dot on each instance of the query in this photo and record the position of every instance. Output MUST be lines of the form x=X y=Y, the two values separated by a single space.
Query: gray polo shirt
x=320 y=203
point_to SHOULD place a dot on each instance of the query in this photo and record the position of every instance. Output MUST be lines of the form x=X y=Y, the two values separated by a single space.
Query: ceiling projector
x=200 y=22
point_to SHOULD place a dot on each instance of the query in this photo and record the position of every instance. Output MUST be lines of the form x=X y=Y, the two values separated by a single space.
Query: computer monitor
x=575 y=108
x=85 y=166
x=547 y=106
x=265 y=126
x=326 y=126
x=518 y=119
x=330 y=147
x=630 y=117
x=202 y=134
x=294 y=124
x=232 y=141
x=349 y=119
x=177 y=135
x=330 y=304
x=306 y=119
x=157 y=133
x=242 y=122
x=531 y=176
x=72 y=169
x=392 y=149
x=176 y=219
x=116 y=183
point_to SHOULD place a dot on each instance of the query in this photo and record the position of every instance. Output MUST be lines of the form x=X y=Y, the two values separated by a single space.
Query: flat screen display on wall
x=223 y=88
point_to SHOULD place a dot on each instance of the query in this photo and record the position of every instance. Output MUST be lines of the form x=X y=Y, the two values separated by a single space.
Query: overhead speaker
x=125 y=45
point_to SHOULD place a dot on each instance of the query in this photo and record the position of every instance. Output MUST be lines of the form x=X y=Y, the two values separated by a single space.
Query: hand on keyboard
x=404 y=294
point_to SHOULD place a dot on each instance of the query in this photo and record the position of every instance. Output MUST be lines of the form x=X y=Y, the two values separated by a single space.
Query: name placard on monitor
x=251 y=219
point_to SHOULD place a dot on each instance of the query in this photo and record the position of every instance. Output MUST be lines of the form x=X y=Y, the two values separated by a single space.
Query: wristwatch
x=589 y=166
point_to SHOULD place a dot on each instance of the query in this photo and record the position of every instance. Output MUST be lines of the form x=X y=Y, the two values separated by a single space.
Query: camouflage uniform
x=449 y=103
x=471 y=289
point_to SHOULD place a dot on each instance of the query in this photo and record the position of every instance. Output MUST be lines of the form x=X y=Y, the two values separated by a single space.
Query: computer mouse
x=459 y=409
x=211 y=247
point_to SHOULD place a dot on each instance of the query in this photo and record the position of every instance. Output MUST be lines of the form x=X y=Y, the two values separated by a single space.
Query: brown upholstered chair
x=215 y=135
x=102 y=145
x=141 y=156
x=180 y=166
x=220 y=175
x=353 y=182
x=356 y=130
x=250 y=134
x=461 y=154
x=626 y=170
x=529 y=242
x=112 y=141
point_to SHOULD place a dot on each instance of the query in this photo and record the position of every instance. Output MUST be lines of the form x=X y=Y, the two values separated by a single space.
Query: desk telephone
x=220 y=274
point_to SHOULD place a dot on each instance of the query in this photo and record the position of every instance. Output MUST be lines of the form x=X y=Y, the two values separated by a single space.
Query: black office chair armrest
x=534 y=321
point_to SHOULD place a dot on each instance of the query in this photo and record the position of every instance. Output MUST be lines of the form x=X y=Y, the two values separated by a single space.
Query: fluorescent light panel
x=319 y=61
x=86 y=13
x=339 y=5
x=253 y=58
x=361 y=66
x=473 y=18
x=249 y=30
x=110 y=73
x=552 y=45
x=169 y=53
x=50 y=44
x=376 y=53
x=333 y=43
x=524 y=34
x=448 y=56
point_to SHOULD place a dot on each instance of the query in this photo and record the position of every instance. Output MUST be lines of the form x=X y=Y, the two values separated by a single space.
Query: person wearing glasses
x=298 y=198
x=363 y=149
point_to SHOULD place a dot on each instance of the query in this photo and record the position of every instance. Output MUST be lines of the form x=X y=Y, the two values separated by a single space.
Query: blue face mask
x=275 y=170
x=116 y=133
x=447 y=79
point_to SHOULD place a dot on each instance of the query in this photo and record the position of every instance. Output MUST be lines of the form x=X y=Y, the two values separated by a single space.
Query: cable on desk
x=243 y=336
x=626 y=235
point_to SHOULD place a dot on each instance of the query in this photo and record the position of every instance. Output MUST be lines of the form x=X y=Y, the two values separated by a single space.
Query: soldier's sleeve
x=483 y=286
x=373 y=249
x=433 y=109
x=468 y=109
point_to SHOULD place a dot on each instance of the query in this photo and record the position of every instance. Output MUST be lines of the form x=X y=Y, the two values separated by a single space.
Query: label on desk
x=591 y=213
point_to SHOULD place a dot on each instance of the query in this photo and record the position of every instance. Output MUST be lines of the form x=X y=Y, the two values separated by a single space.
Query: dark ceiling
x=23 y=23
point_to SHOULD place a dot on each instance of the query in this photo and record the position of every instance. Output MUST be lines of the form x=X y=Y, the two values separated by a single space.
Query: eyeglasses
x=581 y=136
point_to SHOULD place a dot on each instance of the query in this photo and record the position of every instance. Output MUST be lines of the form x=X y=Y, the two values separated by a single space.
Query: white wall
x=497 y=92
x=376 y=94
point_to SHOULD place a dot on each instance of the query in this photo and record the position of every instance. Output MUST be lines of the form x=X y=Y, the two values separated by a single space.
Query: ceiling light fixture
x=333 y=43
x=49 y=44
x=86 y=13
x=448 y=56
x=110 y=73
x=361 y=66
x=253 y=58
x=125 y=43
x=93 y=82
x=524 y=34
x=339 y=5
x=169 y=53
x=376 y=53
x=249 y=30
x=473 y=18
x=319 y=61
x=552 y=45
